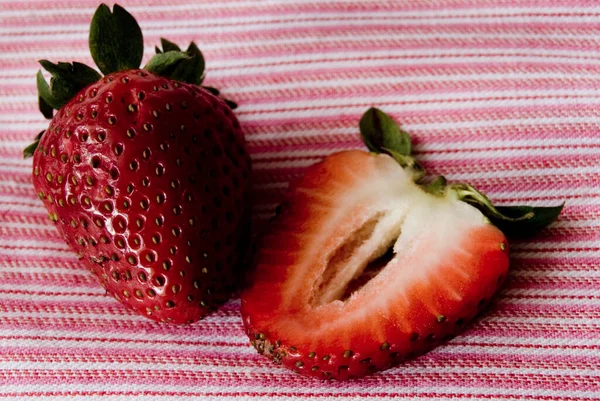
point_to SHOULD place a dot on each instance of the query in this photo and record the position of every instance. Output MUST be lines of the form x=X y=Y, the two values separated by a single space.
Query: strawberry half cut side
x=365 y=266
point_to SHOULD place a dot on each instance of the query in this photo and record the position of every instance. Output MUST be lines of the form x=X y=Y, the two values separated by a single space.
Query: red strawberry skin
x=147 y=179
x=347 y=210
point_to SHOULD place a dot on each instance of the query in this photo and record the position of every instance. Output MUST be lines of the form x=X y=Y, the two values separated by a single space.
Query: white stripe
x=44 y=270
x=27 y=201
x=14 y=169
x=54 y=242
x=35 y=287
x=35 y=208
x=24 y=225
x=35 y=252
x=361 y=37
x=8 y=183
x=16 y=161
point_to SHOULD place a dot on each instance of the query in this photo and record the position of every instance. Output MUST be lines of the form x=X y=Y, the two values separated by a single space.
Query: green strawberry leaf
x=46 y=110
x=537 y=218
x=67 y=80
x=173 y=63
x=514 y=221
x=30 y=150
x=381 y=134
x=379 y=131
x=164 y=64
x=168 y=46
x=116 y=40
x=192 y=69
x=212 y=90
x=232 y=105
x=44 y=91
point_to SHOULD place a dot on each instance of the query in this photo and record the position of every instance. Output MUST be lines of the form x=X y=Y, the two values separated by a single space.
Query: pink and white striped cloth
x=503 y=94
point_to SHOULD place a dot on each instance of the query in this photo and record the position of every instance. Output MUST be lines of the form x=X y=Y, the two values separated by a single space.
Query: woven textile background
x=503 y=94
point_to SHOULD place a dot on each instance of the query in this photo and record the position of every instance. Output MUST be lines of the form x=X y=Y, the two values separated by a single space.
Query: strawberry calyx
x=116 y=44
x=381 y=134
x=171 y=61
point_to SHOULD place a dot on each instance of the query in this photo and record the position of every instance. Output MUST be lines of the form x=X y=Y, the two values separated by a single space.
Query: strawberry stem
x=516 y=221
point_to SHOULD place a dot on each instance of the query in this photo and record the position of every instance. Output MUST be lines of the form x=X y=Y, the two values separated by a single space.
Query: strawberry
x=144 y=172
x=366 y=266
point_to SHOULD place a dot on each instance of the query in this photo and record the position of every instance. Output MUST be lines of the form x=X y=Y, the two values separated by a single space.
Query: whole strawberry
x=366 y=266
x=144 y=172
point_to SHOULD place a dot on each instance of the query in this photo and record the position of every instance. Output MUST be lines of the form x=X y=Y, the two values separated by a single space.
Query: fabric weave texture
x=504 y=94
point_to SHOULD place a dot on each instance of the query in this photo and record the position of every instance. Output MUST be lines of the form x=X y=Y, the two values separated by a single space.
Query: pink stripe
x=297 y=9
x=258 y=380
x=281 y=393
x=335 y=5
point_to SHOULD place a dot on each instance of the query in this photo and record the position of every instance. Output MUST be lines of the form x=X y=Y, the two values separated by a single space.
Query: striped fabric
x=502 y=94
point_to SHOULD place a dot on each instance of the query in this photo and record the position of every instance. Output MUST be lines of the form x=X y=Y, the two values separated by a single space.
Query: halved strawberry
x=364 y=267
